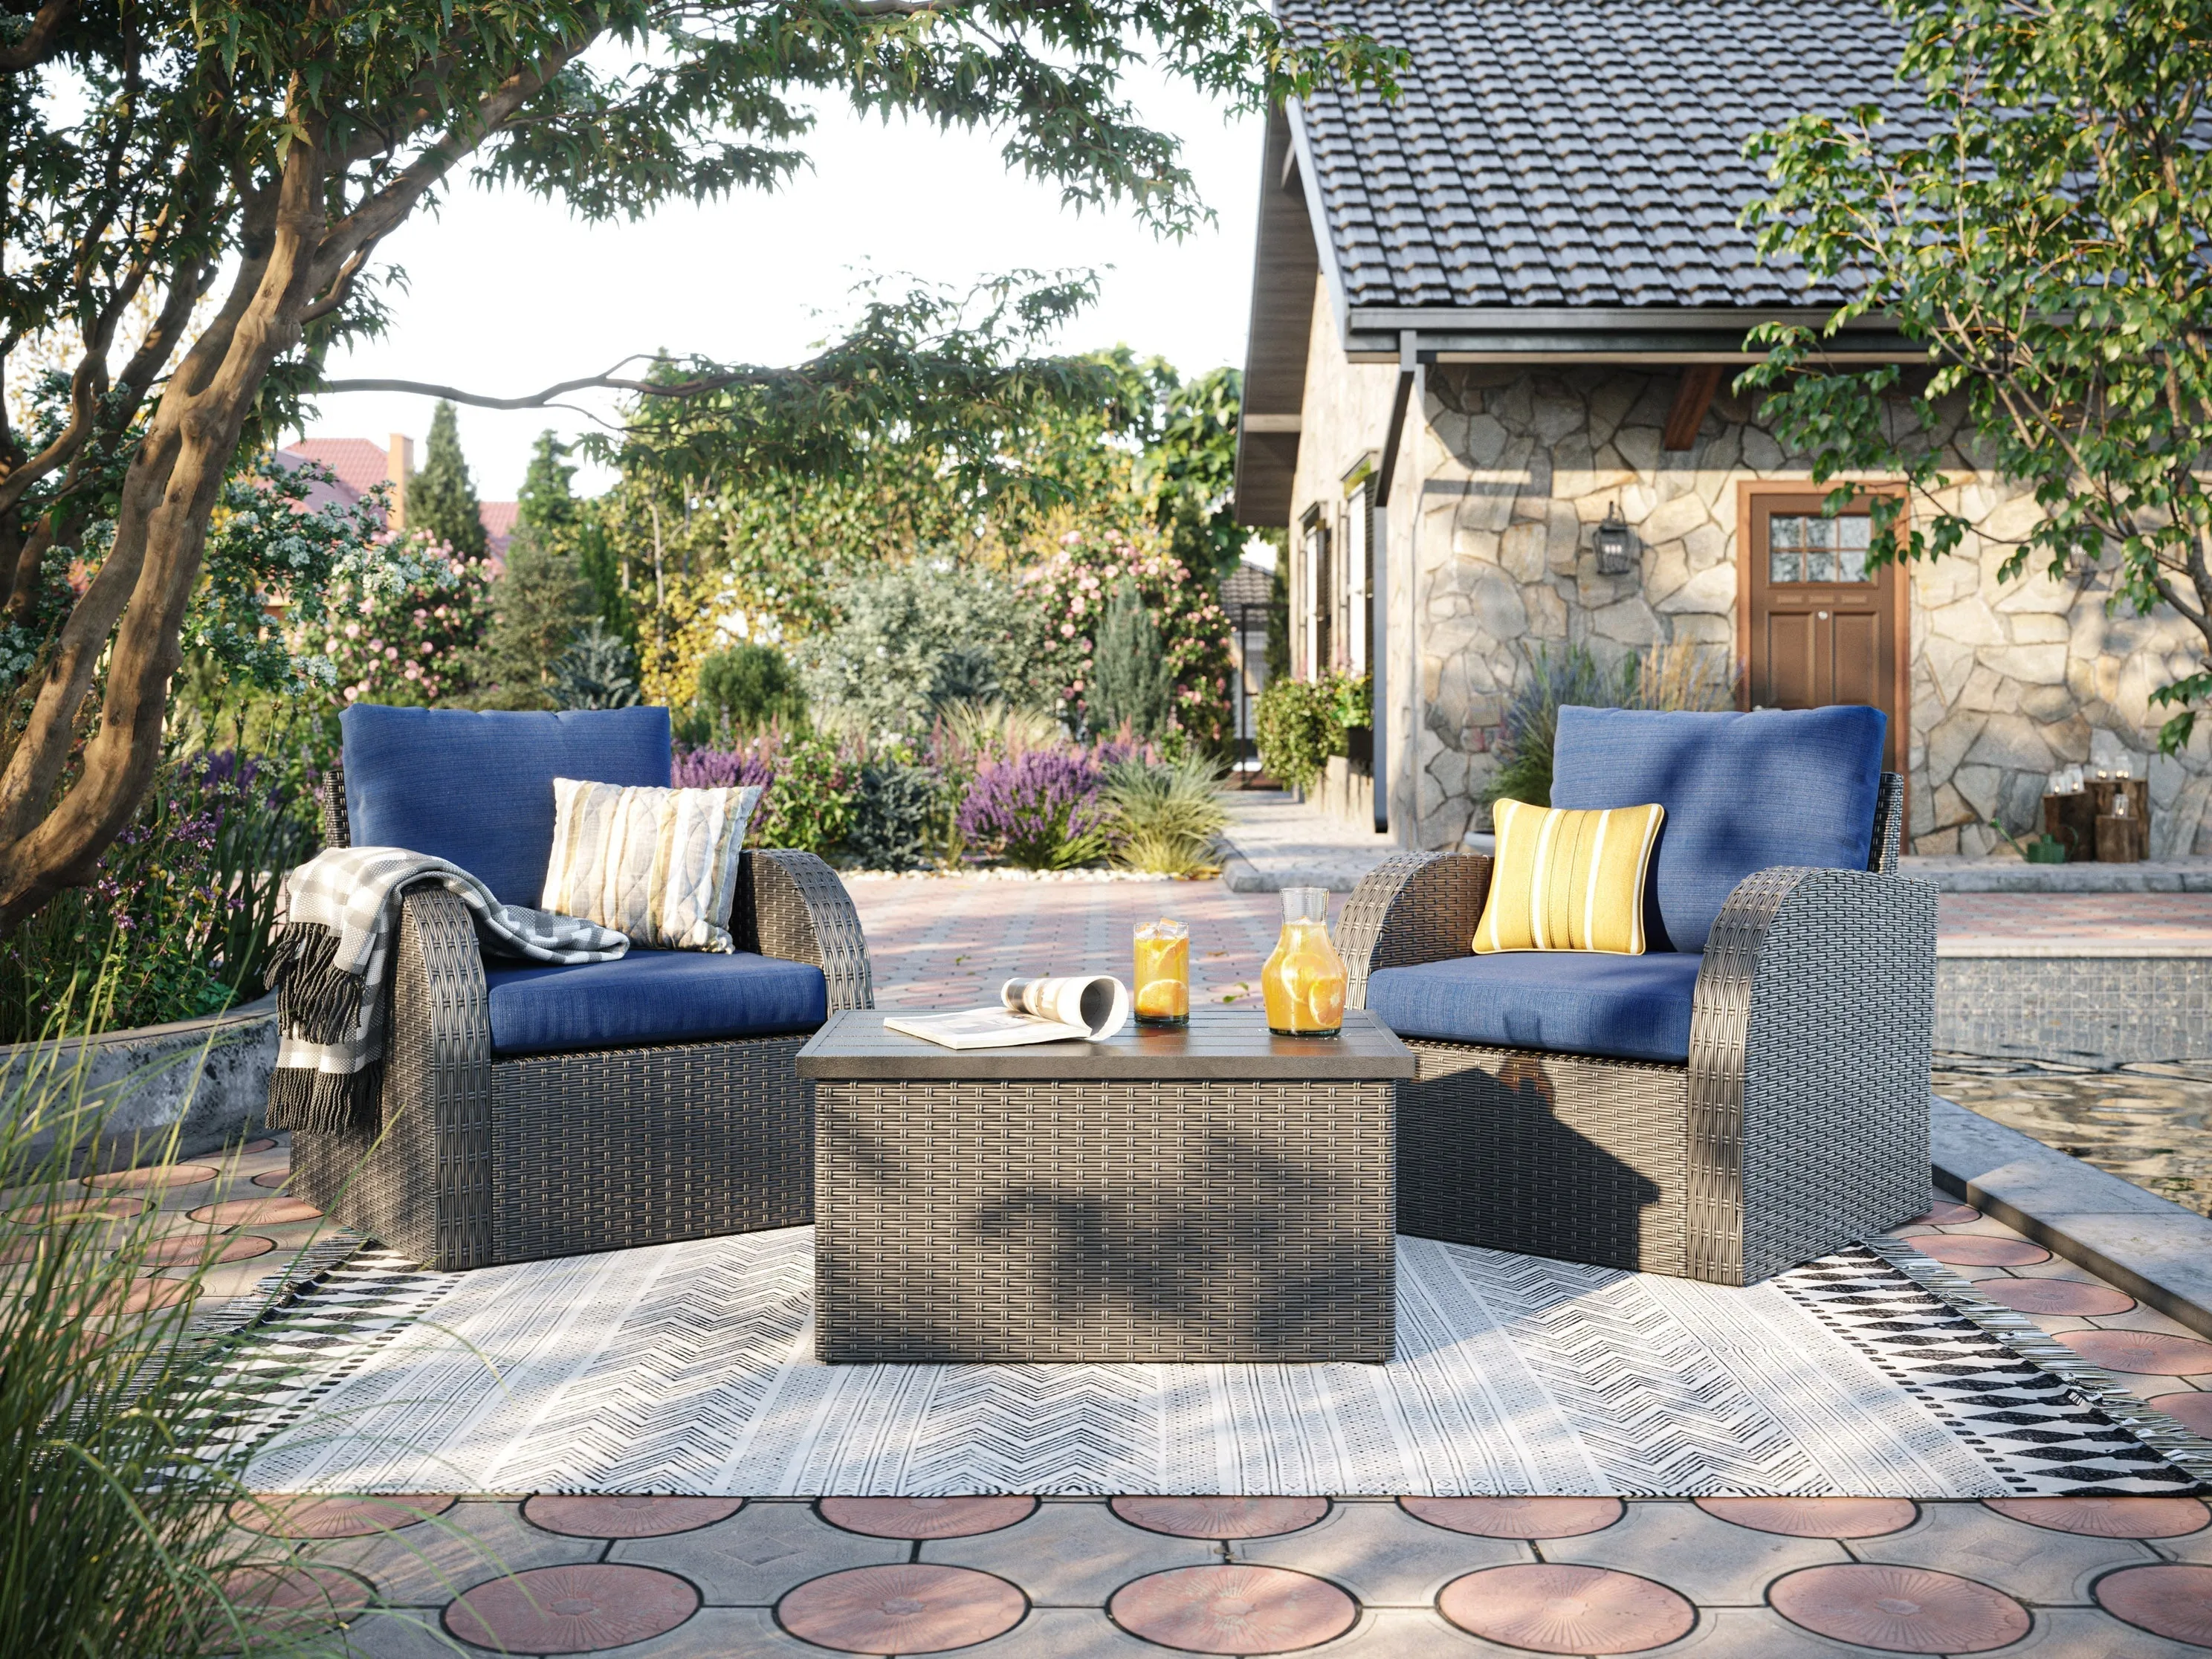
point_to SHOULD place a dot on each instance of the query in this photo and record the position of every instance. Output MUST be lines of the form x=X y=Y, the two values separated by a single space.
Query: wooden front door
x=1822 y=630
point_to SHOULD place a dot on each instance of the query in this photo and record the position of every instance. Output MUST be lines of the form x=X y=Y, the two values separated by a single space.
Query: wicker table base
x=1081 y=1202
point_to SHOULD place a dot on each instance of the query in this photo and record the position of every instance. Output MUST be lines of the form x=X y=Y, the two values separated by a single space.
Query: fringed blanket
x=329 y=960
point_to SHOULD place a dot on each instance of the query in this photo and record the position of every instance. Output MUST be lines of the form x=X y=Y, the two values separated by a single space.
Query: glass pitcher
x=1302 y=983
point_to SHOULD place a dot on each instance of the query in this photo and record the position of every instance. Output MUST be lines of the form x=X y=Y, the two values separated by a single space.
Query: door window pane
x=1805 y=547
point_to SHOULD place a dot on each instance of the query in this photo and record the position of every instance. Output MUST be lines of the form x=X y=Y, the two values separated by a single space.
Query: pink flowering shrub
x=404 y=634
x=1068 y=594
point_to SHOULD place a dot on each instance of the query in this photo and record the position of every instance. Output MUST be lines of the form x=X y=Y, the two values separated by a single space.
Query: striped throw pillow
x=1568 y=881
x=658 y=865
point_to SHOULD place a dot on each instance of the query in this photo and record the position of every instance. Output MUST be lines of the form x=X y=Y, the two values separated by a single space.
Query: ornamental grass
x=1165 y=818
x=120 y=1469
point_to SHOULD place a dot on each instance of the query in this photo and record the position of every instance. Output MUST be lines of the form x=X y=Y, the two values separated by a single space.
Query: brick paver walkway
x=670 y=1577
x=950 y=942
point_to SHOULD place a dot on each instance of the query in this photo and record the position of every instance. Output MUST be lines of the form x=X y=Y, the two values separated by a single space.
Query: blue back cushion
x=1743 y=793
x=477 y=789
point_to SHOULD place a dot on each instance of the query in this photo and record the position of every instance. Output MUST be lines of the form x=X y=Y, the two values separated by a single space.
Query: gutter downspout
x=1378 y=585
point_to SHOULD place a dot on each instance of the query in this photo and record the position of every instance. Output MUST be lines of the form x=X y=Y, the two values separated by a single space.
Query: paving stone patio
x=1365 y=1578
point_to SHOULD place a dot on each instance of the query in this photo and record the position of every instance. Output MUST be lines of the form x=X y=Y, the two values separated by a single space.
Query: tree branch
x=41 y=43
x=697 y=385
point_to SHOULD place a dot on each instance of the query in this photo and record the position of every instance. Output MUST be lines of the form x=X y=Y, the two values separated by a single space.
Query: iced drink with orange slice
x=1302 y=983
x=1163 y=973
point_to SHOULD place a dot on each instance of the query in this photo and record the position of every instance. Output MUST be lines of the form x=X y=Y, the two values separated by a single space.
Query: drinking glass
x=1163 y=973
x=1302 y=983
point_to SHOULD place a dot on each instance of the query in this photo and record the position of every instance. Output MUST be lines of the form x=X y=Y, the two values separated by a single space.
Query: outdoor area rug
x=688 y=1368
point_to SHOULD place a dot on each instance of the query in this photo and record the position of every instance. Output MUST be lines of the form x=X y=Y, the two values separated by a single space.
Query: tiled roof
x=1576 y=152
x=361 y=465
x=1248 y=584
x=499 y=519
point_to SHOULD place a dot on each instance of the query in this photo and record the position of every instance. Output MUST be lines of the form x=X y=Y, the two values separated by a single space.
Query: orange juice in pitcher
x=1302 y=983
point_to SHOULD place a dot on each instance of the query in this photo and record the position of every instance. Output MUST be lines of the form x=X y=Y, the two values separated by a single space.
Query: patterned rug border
x=2188 y=1451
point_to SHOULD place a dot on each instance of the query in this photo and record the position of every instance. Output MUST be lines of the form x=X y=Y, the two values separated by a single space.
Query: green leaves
x=2041 y=221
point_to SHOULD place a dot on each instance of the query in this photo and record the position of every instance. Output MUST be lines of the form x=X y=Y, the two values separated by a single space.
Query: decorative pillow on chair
x=1566 y=880
x=658 y=865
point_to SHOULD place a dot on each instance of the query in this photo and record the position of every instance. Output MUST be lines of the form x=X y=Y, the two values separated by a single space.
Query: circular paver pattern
x=2108 y=1517
x=915 y=1607
x=2152 y=1353
x=253 y=1147
x=2172 y=1599
x=926 y=1517
x=119 y=1208
x=1220 y=1517
x=2054 y=1296
x=1815 y=1517
x=272 y=1177
x=1947 y=1212
x=256 y=1212
x=309 y=1517
x=154 y=1175
x=295 y=1596
x=2192 y=1410
x=1517 y=1517
x=626 y=1516
x=187 y=1248
x=1978 y=1250
x=145 y=1294
x=572 y=1609
x=1237 y=1608
x=1900 y=1609
x=1552 y=1607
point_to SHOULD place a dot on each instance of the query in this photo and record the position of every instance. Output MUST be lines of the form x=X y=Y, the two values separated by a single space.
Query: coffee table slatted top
x=1226 y=1044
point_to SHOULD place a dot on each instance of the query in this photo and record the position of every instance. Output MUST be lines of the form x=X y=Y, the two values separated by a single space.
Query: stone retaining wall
x=209 y=1076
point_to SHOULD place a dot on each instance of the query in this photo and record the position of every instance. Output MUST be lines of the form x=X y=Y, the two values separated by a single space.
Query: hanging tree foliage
x=2040 y=215
x=258 y=155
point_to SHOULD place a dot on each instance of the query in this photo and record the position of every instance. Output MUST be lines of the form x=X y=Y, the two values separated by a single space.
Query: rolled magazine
x=1069 y=1010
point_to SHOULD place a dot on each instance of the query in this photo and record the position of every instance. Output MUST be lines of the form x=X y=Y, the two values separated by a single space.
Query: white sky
x=507 y=294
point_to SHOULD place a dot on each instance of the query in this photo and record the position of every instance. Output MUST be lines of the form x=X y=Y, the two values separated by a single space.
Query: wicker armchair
x=1798 y=1123
x=485 y=1160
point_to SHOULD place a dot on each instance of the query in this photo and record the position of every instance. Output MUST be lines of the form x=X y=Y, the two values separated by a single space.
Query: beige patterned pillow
x=658 y=865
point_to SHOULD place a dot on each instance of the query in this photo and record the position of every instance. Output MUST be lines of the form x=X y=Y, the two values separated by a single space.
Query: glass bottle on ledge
x=1302 y=984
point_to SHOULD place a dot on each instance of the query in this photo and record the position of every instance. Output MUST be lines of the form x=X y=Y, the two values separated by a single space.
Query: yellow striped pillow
x=1568 y=880
x=658 y=865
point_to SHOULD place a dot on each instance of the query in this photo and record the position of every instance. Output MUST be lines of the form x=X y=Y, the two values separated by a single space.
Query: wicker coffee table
x=1216 y=1193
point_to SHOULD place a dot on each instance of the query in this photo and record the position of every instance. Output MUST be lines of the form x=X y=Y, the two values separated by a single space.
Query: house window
x=1805 y=547
x=1313 y=600
x=1359 y=526
x=1322 y=592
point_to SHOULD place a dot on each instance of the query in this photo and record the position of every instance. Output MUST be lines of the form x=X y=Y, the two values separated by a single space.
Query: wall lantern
x=1616 y=543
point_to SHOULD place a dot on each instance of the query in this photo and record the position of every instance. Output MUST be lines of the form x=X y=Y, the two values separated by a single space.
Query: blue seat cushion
x=651 y=996
x=1568 y=1002
x=477 y=789
x=1743 y=793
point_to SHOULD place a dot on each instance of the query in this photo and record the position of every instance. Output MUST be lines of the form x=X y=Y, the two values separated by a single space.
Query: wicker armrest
x=330 y=800
x=1415 y=908
x=792 y=905
x=1809 y=1051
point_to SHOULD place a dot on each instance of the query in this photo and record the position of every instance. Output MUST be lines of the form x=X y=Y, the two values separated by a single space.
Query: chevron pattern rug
x=688 y=1368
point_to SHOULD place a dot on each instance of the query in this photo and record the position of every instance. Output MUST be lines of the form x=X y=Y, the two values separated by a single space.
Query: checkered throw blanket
x=329 y=958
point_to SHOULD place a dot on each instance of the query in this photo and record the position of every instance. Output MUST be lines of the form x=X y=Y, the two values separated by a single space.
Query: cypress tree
x=547 y=504
x=541 y=602
x=441 y=498
x=1131 y=684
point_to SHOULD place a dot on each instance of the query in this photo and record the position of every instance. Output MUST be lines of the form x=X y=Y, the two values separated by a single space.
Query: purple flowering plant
x=176 y=919
x=1040 y=810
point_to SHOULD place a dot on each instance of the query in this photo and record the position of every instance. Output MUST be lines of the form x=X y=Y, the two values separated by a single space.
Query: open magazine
x=1030 y=1011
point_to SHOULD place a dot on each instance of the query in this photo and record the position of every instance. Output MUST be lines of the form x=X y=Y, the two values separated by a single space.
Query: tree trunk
x=138 y=599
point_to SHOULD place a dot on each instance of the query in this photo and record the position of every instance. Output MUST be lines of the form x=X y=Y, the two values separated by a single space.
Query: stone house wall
x=1488 y=547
